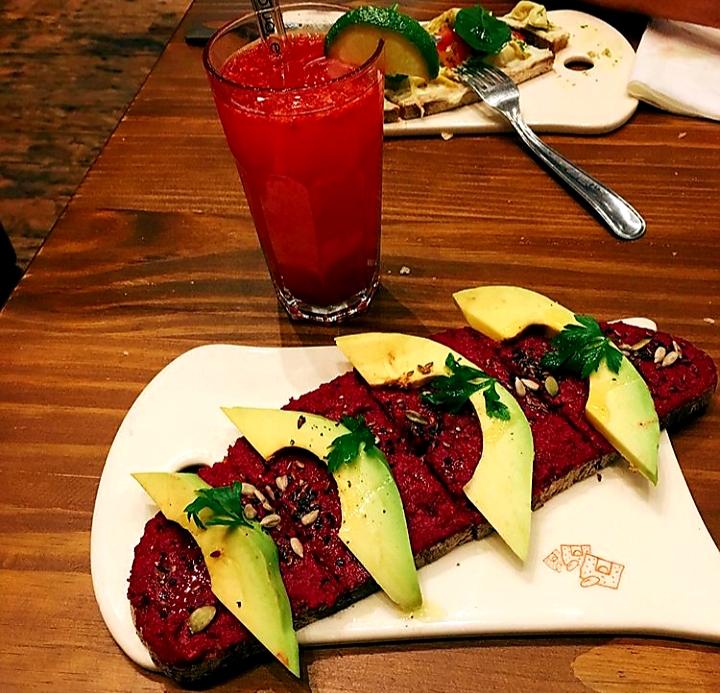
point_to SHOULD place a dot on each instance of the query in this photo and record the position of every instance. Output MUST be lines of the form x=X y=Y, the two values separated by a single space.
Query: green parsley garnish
x=481 y=30
x=346 y=448
x=226 y=505
x=581 y=348
x=452 y=391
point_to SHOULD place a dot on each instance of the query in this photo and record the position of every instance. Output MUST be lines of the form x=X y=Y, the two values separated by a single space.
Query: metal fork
x=499 y=92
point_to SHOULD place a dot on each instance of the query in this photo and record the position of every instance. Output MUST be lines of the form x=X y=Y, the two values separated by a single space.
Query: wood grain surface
x=156 y=254
x=68 y=72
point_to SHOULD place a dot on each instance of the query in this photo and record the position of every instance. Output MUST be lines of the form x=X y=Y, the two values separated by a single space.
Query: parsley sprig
x=581 y=347
x=346 y=448
x=452 y=391
x=226 y=505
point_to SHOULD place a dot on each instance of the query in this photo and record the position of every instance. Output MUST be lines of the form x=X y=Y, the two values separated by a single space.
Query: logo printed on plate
x=593 y=570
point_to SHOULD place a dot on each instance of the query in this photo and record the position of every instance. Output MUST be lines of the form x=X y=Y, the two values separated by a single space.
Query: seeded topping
x=296 y=546
x=201 y=618
x=413 y=416
x=249 y=511
x=270 y=521
x=639 y=345
x=669 y=359
x=310 y=517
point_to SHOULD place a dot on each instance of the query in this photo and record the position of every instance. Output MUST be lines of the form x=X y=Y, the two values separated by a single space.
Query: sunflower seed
x=282 y=482
x=530 y=384
x=520 y=388
x=310 y=517
x=669 y=359
x=677 y=348
x=639 y=345
x=248 y=489
x=201 y=618
x=250 y=512
x=413 y=416
x=270 y=521
x=659 y=354
x=268 y=507
x=296 y=546
x=270 y=492
x=260 y=496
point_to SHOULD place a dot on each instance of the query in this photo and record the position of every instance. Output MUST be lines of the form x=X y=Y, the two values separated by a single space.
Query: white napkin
x=677 y=68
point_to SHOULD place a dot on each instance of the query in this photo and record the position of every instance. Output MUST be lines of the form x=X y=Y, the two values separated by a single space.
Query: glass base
x=327 y=315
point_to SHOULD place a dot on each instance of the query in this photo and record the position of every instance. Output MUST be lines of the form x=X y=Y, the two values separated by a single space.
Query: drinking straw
x=270 y=24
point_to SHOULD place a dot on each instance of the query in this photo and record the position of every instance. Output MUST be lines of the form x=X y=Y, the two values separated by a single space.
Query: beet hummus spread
x=432 y=454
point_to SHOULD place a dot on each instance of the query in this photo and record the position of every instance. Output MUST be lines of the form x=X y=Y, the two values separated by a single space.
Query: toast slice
x=431 y=454
x=529 y=53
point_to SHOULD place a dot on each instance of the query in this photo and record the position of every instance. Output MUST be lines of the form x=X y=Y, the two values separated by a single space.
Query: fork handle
x=622 y=219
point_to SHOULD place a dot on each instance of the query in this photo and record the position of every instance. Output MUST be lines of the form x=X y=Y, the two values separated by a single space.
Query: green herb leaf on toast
x=225 y=503
x=346 y=448
x=581 y=347
x=453 y=391
x=481 y=30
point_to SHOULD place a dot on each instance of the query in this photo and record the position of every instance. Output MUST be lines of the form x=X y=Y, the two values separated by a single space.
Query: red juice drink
x=306 y=133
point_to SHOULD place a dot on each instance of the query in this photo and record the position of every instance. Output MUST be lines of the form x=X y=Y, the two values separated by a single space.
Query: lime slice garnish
x=409 y=49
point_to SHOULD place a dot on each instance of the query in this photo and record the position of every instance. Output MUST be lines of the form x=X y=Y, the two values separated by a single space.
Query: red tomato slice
x=451 y=48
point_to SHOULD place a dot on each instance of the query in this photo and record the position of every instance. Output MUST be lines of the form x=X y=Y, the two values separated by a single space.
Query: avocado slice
x=503 y=312
x=373 y=520
x=242 y=563
x=619 y=405
x=501 y=486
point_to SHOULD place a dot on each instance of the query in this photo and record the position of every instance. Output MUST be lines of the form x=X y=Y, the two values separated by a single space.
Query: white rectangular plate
x=613 y=555
x=590 y=101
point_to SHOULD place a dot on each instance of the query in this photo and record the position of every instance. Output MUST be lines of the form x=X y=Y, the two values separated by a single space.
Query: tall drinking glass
x=306 y=133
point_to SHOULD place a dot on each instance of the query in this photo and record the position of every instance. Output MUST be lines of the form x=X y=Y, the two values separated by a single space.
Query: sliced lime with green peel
x=409 y=49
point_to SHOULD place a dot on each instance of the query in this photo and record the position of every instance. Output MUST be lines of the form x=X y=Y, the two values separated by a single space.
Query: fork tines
x=483 y=74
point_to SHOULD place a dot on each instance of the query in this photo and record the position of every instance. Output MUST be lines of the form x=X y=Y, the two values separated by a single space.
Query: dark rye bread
x=432 y=454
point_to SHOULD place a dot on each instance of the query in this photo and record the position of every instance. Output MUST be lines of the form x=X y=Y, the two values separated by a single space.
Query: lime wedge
x=409 y=49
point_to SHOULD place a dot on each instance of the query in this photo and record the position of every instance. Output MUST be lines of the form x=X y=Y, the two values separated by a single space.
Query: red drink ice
x=306 y=134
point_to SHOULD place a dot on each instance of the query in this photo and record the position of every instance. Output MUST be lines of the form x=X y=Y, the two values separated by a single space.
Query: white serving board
x=652 y=566
x=593 y=101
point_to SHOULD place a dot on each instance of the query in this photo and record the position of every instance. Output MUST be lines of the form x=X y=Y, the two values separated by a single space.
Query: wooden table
x=157 y=254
